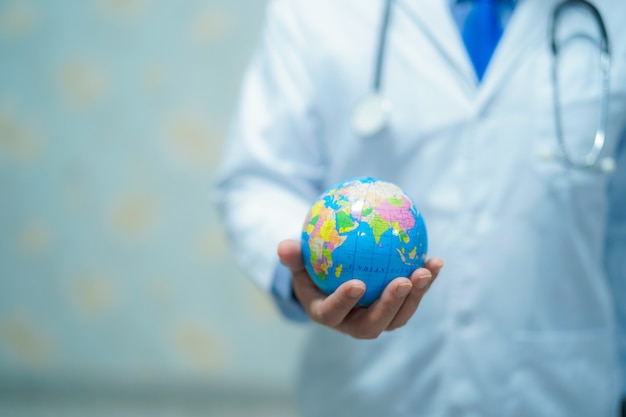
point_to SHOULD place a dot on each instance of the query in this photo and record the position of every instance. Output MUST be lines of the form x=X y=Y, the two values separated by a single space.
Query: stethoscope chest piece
x=371 y=115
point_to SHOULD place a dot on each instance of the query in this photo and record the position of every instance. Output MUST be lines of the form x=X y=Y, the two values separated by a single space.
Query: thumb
x=290 y=254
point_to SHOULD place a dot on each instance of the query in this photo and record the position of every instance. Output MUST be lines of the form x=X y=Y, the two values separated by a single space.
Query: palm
x=393 y=309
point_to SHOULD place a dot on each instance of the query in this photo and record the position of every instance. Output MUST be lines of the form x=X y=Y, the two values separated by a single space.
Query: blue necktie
x=481 y=33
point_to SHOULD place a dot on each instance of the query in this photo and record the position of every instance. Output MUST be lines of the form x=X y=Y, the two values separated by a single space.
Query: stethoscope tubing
x=590 y=160
x=560 y=8
x=382 y=46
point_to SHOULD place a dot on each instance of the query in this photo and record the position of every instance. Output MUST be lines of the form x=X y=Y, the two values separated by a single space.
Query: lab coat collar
x=526 y=28
x=435 y=19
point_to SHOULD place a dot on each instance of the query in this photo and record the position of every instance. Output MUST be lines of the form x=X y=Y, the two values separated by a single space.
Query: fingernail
x=423 y=281
x=356 y=291
x=403 y=290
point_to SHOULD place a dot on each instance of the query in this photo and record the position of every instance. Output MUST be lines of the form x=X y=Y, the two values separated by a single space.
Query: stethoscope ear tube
x=382 y=48
x=556 y=14
x=371 y=114
x=591 y=159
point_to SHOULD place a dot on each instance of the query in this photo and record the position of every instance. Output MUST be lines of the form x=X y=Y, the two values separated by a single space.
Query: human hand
x=392 y=310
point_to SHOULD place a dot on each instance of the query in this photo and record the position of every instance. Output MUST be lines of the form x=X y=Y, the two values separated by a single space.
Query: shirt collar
x=455 y=2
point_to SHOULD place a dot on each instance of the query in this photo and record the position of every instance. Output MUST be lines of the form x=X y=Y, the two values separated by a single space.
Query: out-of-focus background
x=118 y=292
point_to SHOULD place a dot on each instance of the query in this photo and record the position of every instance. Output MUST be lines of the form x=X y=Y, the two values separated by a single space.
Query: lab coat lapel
x=436 y=21
x=526 y=29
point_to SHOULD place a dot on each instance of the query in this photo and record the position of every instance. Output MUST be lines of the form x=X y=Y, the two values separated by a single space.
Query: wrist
x=284 y=297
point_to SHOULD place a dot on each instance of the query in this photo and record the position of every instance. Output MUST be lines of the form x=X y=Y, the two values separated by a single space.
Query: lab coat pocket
x=572 y=373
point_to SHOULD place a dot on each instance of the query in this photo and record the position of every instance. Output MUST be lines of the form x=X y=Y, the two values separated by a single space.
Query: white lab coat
x=521 y=322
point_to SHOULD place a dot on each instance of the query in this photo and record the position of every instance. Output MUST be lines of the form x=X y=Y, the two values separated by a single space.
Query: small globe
x=365 y=229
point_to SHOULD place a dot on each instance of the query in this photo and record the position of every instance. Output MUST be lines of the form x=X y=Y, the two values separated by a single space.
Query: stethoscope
x=372 y=114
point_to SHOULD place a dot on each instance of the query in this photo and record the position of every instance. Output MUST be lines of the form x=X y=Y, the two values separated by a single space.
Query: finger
x=332 y=310
x=290 y=255
x=329 y=311
x=434 y=265
x=422 y=279
x=306 y=291
x=371 y=322
x=303 y=287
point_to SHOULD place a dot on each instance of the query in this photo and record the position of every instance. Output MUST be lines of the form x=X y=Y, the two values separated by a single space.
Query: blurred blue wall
x=113 y=265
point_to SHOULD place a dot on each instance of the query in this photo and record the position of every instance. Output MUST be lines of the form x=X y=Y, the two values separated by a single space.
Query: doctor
x=516 y=165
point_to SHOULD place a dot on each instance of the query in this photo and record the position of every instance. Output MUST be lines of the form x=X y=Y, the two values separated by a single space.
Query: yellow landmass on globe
x=379 y=227
x=338 y=270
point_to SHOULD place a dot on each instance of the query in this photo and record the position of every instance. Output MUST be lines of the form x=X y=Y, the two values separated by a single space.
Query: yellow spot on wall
x=210 y=26
x=18 y=18
x=93 y=294
x=25 y=341
x=17 y=138
x=259 y=304
x=124 y=8
x=75 y=197
x=194 y=140
x=160 y=291
x=200 y=347
x=34 y=237
x=83 y=83
x=135 y=215
x=154 y=79
x=213 y=245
